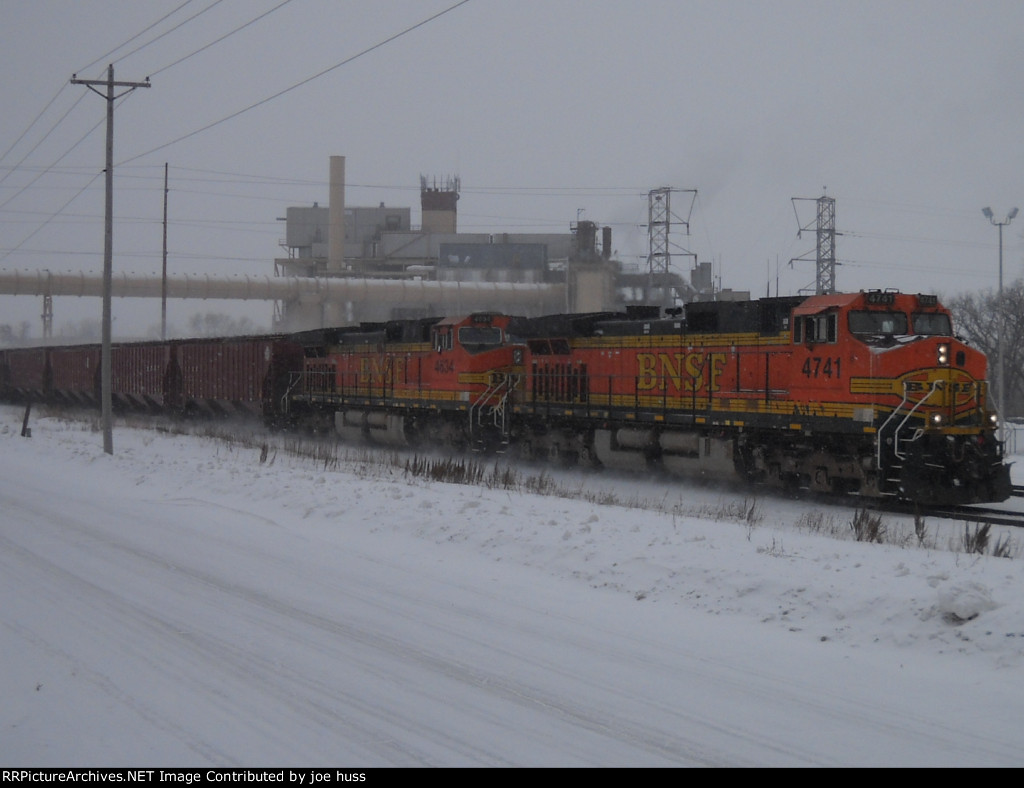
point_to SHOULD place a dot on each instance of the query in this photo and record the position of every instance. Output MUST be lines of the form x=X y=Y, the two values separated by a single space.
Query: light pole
x=999 y=342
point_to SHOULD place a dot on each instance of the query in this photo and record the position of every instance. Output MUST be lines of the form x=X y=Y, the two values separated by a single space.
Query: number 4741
x=818 y=367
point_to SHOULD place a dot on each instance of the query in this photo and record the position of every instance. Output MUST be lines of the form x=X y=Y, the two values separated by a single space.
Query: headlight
x=993 y=420
x=943 y=354
x=935 y=419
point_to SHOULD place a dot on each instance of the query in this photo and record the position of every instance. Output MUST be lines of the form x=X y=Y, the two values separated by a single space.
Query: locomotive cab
x=940 y=378
x=476 y=335
x=915 y=390
x=475 y=360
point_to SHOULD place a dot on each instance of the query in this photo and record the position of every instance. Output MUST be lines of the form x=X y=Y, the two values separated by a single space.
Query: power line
x=52 y=167
x=218 y=40
x=33 y=123
x=260 y=177
x=41 y=141
x=612 y=191
x=168 y=32
x=299 y=84
x=83 y=70
x=102 y=58
x=48 y=169
x=915 y=239
x=50 y=218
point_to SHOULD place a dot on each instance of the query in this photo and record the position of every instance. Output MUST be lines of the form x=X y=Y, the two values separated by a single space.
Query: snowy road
x=168 y=626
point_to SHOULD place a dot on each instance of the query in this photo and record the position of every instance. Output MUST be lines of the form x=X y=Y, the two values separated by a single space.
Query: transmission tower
x=662 y=285
x=659 y=223
x=825 y=255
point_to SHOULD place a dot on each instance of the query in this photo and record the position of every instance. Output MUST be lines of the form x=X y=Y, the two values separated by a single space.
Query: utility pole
x=163 y=290
x=106 y=376
x=48 y=306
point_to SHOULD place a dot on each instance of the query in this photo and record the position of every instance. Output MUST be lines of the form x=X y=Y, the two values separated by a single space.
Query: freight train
x=867 y=393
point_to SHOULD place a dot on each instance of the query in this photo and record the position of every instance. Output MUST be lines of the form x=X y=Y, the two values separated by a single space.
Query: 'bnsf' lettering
x=942 y=385
x=689 y=372
x=377 y=370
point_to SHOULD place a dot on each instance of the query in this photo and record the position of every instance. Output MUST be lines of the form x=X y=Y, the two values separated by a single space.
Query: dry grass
x=366 y=461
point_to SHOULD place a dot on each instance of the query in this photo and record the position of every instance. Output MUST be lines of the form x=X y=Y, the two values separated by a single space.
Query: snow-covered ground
x=189 y=601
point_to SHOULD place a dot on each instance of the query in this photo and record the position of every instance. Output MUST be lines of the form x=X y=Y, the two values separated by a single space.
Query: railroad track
x=981 y=514
x=967 y=514
x=973 y=513
x=976 y=514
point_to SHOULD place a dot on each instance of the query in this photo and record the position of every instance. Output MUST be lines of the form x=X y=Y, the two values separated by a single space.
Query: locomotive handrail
x=502 y=381
x=511 y=380
x=477 y=405
x=296 y=377
x=896 y=433
x=881 y=430
x=936 y=384
x=313 y=391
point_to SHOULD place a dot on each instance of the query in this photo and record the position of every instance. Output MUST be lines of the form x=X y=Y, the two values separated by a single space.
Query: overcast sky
x=909 y=114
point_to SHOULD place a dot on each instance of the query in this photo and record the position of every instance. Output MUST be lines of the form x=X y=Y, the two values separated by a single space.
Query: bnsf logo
x=951 y=386
x=376 y=369
x=689 y=372
x=961 y=387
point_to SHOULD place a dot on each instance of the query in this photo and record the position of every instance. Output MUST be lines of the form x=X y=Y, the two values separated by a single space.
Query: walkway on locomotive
x=721 y=365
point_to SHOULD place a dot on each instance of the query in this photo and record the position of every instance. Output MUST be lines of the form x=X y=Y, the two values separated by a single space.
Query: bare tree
x=979 y=318
x=86 y=330
x=12 y=335
x=213 y=324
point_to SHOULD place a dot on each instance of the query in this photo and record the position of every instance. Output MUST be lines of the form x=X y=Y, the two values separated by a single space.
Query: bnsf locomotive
x=867 y=393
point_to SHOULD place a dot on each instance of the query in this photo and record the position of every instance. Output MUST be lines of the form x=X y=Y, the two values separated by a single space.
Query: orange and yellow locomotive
x=868 y=393
x=433 y=381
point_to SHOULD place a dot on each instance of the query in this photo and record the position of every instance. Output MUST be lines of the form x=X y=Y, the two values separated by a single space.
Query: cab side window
x=442 y=340
x=826 y=328
x=816 y=329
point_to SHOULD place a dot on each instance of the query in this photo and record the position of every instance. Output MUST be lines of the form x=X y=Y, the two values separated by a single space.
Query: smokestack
x=336 y=232
x=606 y=243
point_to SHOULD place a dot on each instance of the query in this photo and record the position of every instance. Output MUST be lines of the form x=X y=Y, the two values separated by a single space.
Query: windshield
x=477 y=338
x=932 y=324
x=875 y=322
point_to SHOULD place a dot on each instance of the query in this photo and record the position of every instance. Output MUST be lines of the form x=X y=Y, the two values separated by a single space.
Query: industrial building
x=434 y=269
x=349 y=264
